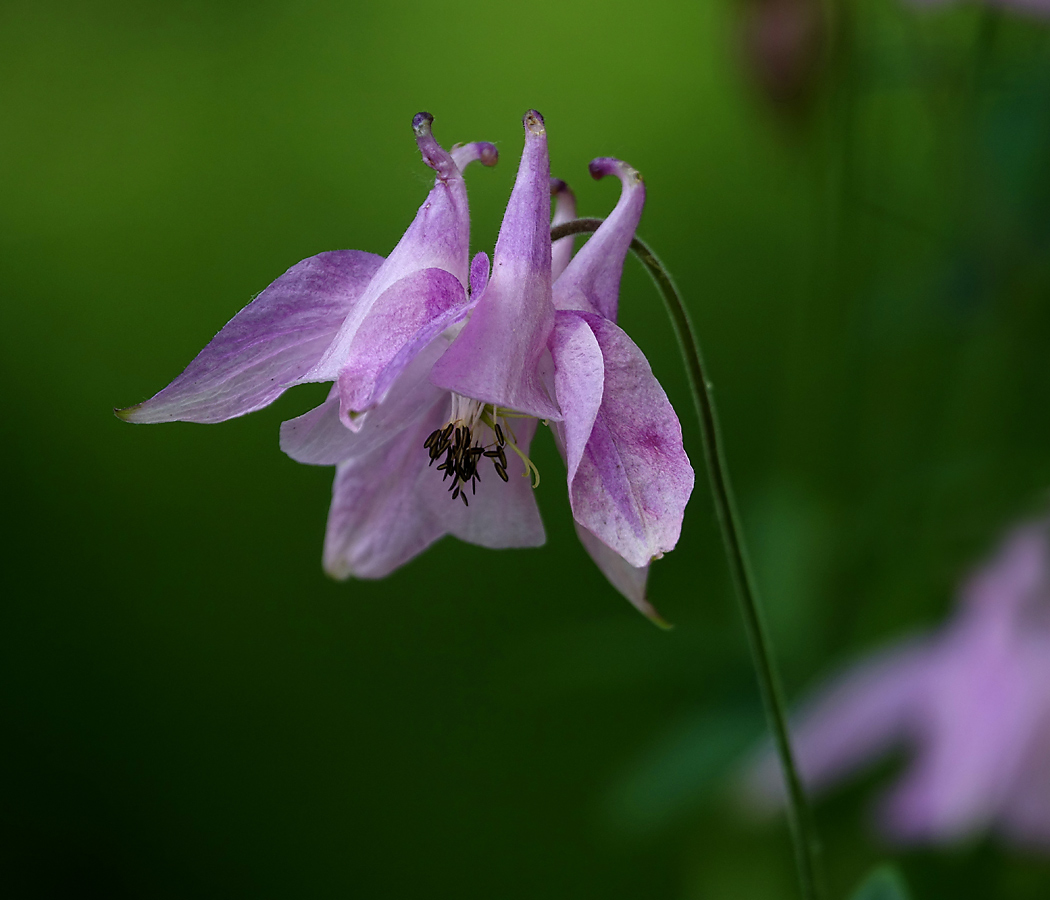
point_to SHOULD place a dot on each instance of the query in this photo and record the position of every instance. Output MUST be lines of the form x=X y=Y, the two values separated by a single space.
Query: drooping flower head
x=441 y=376
x=972 y=703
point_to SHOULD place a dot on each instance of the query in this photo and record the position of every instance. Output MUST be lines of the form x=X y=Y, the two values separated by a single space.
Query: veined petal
x=579 y=384
x=378 y=520
x=320 y=438
x=403 y=320
x=268 y=346
x=629 y=483
x=496 y=356
x=438 y=237
x=591 y=281
x=564 y=211
x=627 y=579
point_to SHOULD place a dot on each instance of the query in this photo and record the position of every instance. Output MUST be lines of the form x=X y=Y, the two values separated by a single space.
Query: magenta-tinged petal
x=268 y=346
x=564 y=211
x=479 y=275
x=863 y=712
x=320 y=438
x=377 y=521
x=438 y=237
x=496 y=356
x=404 y=319
x=632 y=479
x=627 y=579
x=591 y=281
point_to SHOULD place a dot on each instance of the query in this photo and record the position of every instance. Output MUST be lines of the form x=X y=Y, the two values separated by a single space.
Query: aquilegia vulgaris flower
x=972 y=701
x=441 y=373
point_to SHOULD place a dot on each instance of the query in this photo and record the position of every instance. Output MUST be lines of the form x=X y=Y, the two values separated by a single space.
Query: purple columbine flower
x=436 y=385
x=971 y=701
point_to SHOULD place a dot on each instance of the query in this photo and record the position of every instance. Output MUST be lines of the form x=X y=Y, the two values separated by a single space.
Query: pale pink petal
x=376 y=522
x=404 y=319
x=268 y=346
x=632 y=479
x=320 y=437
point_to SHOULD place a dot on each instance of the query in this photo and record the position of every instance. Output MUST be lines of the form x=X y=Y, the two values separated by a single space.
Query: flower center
x=475 y=431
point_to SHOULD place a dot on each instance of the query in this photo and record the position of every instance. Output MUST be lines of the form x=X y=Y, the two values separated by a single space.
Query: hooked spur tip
x=533 y=123
x=421 y=123
x=488 y=155
x=608 y=165
x=559 y=187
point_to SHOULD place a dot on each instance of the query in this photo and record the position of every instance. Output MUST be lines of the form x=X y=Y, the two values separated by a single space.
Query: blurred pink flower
x=971 y=701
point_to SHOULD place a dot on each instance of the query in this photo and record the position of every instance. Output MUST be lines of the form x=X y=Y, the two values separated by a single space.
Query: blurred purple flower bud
x=782 y=42
x=972 y=702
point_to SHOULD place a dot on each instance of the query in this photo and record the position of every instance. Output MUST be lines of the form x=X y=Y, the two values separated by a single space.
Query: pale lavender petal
x=403 y=320
x=479 y=275
x=631 y=481
x=320 y=438
x=377 y=521
x=592 y=279
x=845 y=724
x=496 y=356
x=438 y=237
x=564 y=211
x=500 y=514
x=627 y=579
x=579 y=378
x=268 y=346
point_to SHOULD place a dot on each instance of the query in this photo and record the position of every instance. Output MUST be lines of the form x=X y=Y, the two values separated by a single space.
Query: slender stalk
x=803 y=831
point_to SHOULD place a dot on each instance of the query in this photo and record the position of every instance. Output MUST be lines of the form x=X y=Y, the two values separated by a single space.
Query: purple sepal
x=496 y=356
x=268 y=346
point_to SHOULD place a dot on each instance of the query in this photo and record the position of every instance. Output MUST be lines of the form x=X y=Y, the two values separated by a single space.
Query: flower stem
x=803 y=831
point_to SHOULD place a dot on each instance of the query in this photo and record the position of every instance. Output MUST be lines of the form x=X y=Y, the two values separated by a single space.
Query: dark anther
x=499 y=435
x=501 y=472
x=434 y=435
x=502 y=457
x=463 y=497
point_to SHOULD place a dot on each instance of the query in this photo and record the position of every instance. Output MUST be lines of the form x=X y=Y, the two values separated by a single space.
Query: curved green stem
x=803 y=831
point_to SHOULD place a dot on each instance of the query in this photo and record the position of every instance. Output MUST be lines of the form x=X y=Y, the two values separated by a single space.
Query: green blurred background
x=192 y=709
